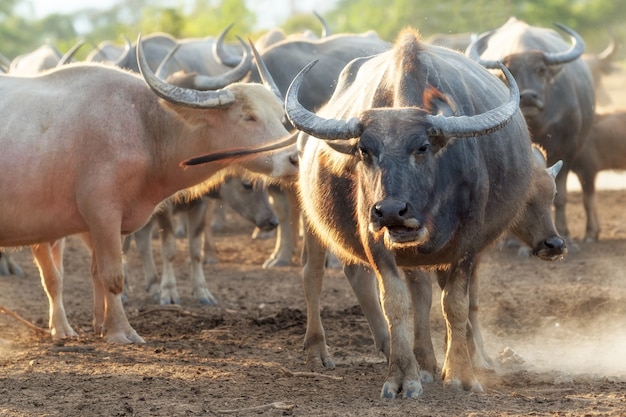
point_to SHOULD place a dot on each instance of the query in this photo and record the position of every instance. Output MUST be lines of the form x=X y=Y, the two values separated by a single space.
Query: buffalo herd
x=403 y=160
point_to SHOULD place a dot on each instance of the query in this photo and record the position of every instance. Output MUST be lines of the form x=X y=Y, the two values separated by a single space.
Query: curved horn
x=473 y=50
x=122 y=60
x=480 y=124
x=69 y=54
x=219 y=52
x=266 y=77
x=325 y=28
x=609 y=50
x=184 y=96
x=213 y=82
x=575 y=51
x=313 y=124
x=160 y=72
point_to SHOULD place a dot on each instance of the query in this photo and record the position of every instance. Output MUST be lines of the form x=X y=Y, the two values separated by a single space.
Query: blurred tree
x=209 y=18
x=199 y=18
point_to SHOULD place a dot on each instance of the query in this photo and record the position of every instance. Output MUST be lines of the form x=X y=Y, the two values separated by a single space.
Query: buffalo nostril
x=555 y=243
x=532 y=95
x=377 y=210
x=403 y=211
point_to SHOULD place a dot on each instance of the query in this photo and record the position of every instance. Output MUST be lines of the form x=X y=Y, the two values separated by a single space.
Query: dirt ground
x=562 y=323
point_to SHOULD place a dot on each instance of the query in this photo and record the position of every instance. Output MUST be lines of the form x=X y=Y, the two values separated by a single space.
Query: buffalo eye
x=541 y=71
x=363 y=152
x=247 y=185
x=422 y=149
x=249 y=118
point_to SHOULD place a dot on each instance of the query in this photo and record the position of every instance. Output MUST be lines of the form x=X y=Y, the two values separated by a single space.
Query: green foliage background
x=199 y=18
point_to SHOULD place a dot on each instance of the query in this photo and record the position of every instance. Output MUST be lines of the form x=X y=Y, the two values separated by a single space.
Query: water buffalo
x=92 y=150
x=419 y=161
x=604 y=150
x=557 y=93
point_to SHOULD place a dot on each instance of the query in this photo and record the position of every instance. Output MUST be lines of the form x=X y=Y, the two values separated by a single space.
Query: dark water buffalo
x=557 y=93
x=604 y=150
x=424 y=160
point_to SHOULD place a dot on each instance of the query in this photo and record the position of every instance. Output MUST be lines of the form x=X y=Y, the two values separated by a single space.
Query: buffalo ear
x=346 y=147
x=435 y=102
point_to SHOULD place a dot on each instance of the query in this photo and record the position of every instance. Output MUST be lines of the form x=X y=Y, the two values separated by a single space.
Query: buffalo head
x=534 y=70
x=394 y=153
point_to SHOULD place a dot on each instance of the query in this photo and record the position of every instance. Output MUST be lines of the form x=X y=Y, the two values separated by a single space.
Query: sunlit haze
x=269 y=12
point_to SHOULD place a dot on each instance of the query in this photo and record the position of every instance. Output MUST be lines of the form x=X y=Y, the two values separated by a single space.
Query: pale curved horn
x=161 y=70
x=184 y=96
x=213 y=82
x=610 y=50
x=219 y=52
x=122 y=60
x=70 y=54
x=326 y=31
x=266 y=77
x=473 y=50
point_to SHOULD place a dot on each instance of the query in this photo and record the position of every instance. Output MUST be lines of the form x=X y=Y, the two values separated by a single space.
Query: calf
x=605 y=149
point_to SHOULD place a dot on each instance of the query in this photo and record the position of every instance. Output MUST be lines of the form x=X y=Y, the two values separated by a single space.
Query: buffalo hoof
x=409 y=389
x=205 y=298
x=66 y=332
x=126 y=338
x=319 y=358
x=168 y=297
x=426 y=377
x=276 y=263
x=456 y=385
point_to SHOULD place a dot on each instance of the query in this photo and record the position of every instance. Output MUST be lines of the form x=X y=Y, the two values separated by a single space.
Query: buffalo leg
x=363 y=283
x=108 y=280
x=143 y=240
x=480 y=358
x=588 y=185
x=421 y=290
x=457 y=370
x=49 y=260
x=168 y=290
x=313 y=276
x=285 y=204
x=195 y=228
x=560 y=201
x=403 y=375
